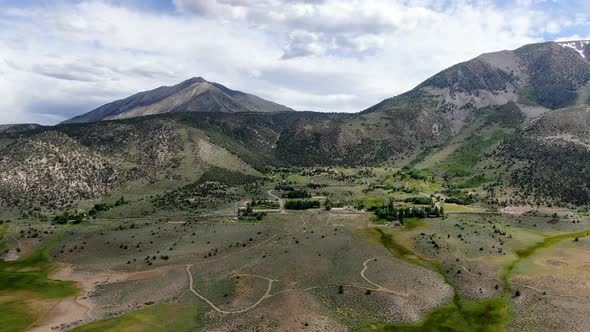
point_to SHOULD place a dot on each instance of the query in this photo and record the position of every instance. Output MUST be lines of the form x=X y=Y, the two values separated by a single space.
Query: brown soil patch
x=145 y=275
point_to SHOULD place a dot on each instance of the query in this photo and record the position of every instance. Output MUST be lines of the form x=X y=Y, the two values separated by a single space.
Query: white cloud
x=332 y=55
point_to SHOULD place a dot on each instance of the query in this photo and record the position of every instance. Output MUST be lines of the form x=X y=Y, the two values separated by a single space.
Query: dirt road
x=281 y=202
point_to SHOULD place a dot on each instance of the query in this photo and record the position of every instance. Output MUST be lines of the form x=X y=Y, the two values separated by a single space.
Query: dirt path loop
x=379 y=287
x=281 y=202
x=268 y=295
x=81 y=308
x=524 y=285
x=216 y=308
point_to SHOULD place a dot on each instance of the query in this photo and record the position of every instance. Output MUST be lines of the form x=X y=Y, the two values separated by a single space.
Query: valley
x=460 y=205
x=336 y=267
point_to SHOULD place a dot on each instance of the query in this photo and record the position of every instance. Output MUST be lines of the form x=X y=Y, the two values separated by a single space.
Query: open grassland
x=331 y=270
x=25 y=284
x=162 y=317
x=335 y=269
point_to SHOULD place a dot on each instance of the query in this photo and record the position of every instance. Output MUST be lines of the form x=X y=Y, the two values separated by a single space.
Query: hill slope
x=193 y=95
x=549 y=161
x=537 y=77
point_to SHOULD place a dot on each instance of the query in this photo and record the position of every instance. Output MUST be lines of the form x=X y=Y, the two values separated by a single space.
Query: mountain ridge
x=538 y=77
x=193 y=95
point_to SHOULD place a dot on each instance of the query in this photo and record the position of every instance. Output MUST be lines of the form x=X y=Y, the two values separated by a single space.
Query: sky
x=61 y=58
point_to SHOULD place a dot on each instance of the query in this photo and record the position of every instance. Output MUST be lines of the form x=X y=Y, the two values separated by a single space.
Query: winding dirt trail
x=524 y=285
x=69 y=310
x=216 y=308
x=303 y=220
x=281 y=202
x=379 y=287
x=268 y=295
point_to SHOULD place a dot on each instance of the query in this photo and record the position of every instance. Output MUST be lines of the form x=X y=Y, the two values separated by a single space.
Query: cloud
x=74 y=72
x=356 y=26
x=58 y=59
x=303 y=43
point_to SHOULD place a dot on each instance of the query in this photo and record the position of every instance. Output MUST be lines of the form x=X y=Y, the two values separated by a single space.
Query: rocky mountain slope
x=57 y=167
x=169 y=150
x=515 y=121
x=549 y=161
x=580 y=46
x=536 y=77
x=193 y=95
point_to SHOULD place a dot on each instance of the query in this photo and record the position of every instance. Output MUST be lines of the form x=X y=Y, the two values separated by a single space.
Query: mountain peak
x=193 y=95
x=538 y=77
x=194 y=80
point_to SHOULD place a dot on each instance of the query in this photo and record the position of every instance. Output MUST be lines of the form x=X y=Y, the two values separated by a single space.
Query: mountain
x=193 y=95
x=518 y=122
x=507 y=125
x=60 y=166
x=549 y=161
x=57 y=167
x=537 y=78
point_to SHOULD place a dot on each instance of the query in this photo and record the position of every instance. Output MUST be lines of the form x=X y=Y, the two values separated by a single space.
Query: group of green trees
x=296 y=194
x=284 y=187
x=265 y=203
x=407 y=173
x=301 y=204
x=249 y=214
x=78 y=217
x=391 y=187
x=197 y=196
x=74 y=218
x=422 y=200
x=390 y=213
x=460 y=197
x=105 y=206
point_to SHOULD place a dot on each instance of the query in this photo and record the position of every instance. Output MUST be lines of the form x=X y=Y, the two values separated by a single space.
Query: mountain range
x=516 y=121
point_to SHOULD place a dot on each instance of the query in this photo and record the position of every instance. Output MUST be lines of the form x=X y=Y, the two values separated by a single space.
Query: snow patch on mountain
x=578 y=45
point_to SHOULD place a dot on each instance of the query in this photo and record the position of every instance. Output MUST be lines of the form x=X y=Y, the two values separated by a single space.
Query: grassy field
x=25 y=280
x=162 y=317
x=316 y=269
